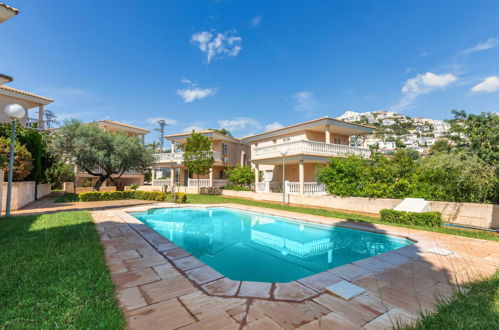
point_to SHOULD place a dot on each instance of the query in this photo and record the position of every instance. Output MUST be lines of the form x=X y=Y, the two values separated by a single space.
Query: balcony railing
x=305 y=147
x=178 y=157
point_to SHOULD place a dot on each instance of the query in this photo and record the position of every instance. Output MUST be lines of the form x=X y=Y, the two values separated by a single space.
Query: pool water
x=248 y=246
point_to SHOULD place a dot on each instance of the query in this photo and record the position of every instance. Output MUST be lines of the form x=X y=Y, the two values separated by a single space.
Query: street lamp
x=14 y=112
x=284 y=152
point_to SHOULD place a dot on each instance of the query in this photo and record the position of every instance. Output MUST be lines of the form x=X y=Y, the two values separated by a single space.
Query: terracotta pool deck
x=161 y=286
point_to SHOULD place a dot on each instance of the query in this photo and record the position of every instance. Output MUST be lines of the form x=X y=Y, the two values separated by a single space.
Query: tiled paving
x=161 y=286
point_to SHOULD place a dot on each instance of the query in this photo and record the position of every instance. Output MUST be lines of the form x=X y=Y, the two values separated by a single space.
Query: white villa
x=301 y=148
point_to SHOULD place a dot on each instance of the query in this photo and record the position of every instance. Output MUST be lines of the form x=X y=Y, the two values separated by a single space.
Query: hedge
x=93 y=196
x=431 y=219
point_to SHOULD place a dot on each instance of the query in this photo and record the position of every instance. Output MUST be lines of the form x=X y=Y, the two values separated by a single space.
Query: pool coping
x=212 y=283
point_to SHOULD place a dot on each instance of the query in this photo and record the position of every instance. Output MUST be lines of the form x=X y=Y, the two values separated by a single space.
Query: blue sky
x=252 y=65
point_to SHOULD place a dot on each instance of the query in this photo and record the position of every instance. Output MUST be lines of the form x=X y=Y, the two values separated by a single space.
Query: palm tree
x=154 y=146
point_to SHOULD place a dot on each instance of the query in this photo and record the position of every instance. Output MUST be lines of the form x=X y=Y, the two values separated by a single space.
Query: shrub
x=134 y=186
x=23 y=162
x=431 y=219
x=235 y=187
x=93 y=196
x=242 y=175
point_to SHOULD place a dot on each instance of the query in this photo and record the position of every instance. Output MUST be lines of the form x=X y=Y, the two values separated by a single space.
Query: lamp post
x=284 y=152
x=14 y=112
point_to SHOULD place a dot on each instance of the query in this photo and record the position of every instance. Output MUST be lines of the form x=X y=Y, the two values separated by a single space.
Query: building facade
x=288 y=157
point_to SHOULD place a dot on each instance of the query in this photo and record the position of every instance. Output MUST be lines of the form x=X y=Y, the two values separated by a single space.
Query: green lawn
x=210 y=199
x=53 y=274
x=476 y=309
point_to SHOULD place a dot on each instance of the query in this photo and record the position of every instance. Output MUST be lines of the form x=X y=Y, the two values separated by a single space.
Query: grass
x=53 y=274
x=476 y=309
x=210 y=199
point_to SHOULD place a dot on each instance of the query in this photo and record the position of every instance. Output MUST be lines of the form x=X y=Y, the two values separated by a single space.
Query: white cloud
x=484 y=45
x=185 y=81
x=217 y=45
x=154 y=120
x=273 y=126
x=305 y=101
x=239 y=123
x=191 y=94
x=192 y=128
x=426 y=83
x=423 y=84
x=255 y=21
x=489 y=85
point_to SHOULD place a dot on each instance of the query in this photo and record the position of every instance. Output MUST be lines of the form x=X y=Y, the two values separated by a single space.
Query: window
x=245 y=160
x=225 y=149
x=286 y=139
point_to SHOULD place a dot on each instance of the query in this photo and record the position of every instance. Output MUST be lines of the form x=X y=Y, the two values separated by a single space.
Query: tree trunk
x=100 y=181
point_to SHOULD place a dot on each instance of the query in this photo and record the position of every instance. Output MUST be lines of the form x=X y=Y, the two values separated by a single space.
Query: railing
x=309 y=188
x=314 y=188
x=161 y=182
x=178 y=157
x=206 y=183
x=309 y=148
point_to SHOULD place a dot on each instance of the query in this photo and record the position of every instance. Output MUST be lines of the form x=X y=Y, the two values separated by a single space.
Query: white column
x=172 y=176
x=301 y=173
x=153 y=176
x=257 y=175
x=328 y=134
x=40 y=117
x=211 y=177
x=173 y=147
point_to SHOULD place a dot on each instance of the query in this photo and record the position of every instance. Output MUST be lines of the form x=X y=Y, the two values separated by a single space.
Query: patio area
x=162 y=286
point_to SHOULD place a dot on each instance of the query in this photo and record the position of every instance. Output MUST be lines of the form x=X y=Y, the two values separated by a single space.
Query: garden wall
x=42 y=190
x=23 y=193
x=470 y=214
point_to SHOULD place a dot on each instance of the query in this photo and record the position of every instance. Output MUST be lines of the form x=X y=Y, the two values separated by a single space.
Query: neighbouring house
x=29 y=101
x=227 y=151
x=306 y=147
x=84 y=179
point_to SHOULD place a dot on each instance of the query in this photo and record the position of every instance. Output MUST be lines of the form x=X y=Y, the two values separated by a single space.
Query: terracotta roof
x=15 y=10
x=188 y=133
x=15 y=90
x=206 y=131
x=121 y=124
x=304 y=123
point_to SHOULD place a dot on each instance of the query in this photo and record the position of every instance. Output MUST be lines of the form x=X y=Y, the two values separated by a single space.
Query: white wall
x=23 y=193
x=470 y=214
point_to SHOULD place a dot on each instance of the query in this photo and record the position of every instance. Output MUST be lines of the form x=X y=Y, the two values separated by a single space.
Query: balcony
x=177 y=157
x=311 y=148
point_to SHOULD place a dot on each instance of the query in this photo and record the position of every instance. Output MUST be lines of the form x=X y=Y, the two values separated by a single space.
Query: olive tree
x=198 y=156
x=103 y=154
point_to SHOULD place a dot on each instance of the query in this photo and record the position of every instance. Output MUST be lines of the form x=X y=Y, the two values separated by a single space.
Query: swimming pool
x=250 y=246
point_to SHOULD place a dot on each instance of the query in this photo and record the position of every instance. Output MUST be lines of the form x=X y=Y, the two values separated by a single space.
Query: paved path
x=47 y=205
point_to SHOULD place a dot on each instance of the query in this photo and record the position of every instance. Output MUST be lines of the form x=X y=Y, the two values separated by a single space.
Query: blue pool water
x=257 y=247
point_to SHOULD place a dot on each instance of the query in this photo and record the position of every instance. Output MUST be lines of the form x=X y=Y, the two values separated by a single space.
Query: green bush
x=454 y=177
x=242 y=176
x=235 y=187
x=431 y=219
x=134 y=186
x=94 y=196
